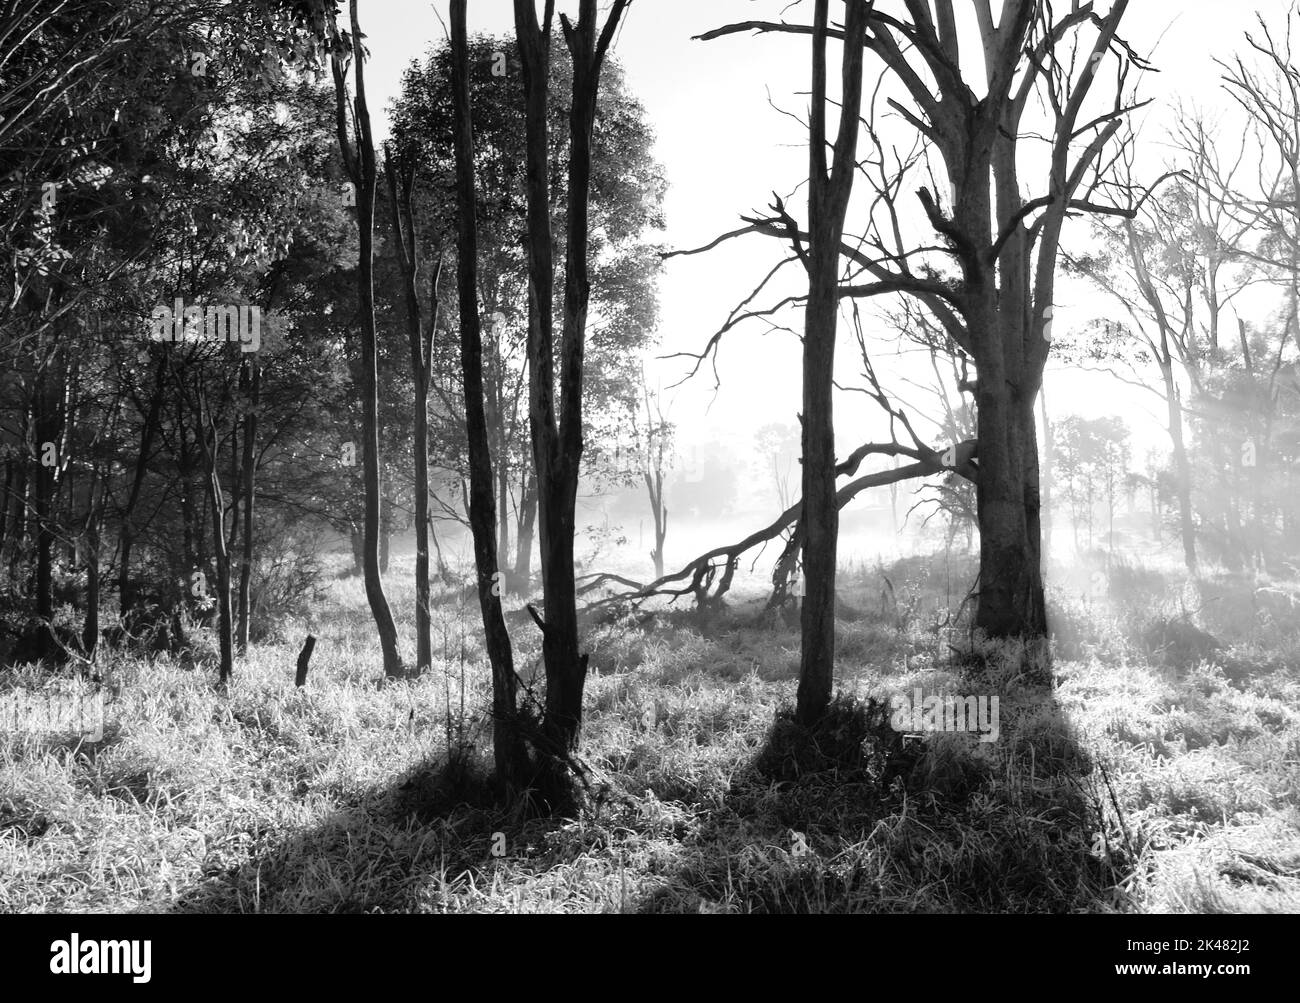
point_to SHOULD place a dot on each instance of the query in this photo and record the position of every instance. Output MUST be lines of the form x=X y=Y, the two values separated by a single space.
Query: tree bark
x=507 y=742
x=828 y=200
x=216 y=501
x=361 y=168
x=401 y=187
x=557 y=438
x=251 y=379
x=1011 y=597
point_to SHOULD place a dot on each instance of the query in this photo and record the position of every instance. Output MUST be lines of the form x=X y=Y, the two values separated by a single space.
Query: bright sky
x=725 y=150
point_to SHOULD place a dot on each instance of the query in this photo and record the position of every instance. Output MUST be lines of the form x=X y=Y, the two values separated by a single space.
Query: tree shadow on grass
x=414 y=845
x=856 y=817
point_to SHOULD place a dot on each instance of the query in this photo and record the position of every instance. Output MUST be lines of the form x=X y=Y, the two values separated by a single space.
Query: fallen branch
x=702 y=571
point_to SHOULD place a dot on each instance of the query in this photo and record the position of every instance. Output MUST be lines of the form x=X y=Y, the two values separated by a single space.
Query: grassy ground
x=1162 y=776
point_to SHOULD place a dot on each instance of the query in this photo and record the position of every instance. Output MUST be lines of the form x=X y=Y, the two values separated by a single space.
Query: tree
x=401 y=186
x=651 y=450
x=778 y=445
x=357 y=147
x=1175 y=270
x=1002 y=244
x=507 y=741
x=1268 y=93
x=557 y=434
x=626 y=192
x=830 y=187
x=1092 y=457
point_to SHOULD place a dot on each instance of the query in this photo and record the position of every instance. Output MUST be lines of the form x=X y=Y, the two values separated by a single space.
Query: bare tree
x=830 y=187
x=1002 y=244
x=1269 y=95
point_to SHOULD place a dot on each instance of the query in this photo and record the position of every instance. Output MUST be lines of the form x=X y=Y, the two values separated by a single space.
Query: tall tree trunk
x=251 y=378
x=557 y=438
x=500 y=445
x=361 y=168
x=503 y=503
x=507 y=742
x=216 y=502
x=94 y=524
x=1011 y=598
x=401 y=186
x=47 y=432
x=90 y=627
x=830 y=187
x=423 y=618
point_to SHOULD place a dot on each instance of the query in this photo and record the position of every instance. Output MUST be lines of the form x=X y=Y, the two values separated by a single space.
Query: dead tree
x=557 y=434
x=829 y=189
x=699 y=578
x=989 y=280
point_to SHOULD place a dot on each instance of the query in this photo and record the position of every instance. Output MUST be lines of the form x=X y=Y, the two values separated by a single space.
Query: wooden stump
x=304 y=658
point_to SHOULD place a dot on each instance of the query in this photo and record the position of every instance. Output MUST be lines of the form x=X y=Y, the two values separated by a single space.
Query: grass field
x=1163 y=775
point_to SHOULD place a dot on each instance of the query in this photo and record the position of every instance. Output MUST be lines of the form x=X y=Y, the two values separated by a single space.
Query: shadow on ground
x=855 y=817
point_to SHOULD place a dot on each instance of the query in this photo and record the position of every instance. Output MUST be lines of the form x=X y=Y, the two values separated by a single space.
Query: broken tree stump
x=304 y=657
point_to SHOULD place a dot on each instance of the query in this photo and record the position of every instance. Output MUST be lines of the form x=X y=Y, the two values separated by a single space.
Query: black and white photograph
x=649 y=457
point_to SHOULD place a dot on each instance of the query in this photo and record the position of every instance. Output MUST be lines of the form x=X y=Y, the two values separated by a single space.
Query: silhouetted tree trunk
x=557 y=438
x=48 y=426
x=830 y=187
x=401 y=186
x=208 y=443
x=94 y=522
x=1005 y=244
x=507 y=741
x=358 y=151
x=251 y=385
